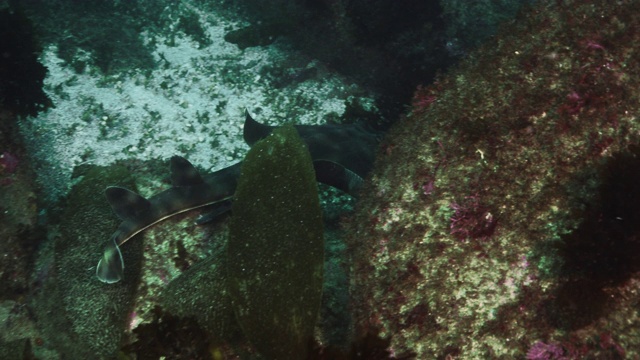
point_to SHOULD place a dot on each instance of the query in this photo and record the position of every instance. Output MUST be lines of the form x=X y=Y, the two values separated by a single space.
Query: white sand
x=100 y=119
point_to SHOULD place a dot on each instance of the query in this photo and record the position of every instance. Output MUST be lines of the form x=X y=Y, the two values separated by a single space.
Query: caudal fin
x=111 y=267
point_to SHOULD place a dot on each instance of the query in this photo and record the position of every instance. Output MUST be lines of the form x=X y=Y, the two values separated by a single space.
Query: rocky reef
x=501 y=220
x=79 y=317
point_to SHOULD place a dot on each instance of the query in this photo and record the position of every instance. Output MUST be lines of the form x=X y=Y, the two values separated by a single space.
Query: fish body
x=138 y=213
x=342 y=156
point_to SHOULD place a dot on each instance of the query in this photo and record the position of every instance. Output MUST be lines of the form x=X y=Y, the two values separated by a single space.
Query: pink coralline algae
x=574 y=103
x=471 y=220
x=8 y=166
x=515 y=234
x=8 y=163
x=424 y=97
x=607 y=342
x=543 y=351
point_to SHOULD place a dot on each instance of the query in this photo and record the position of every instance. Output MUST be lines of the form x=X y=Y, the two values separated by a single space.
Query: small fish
x=342 y=156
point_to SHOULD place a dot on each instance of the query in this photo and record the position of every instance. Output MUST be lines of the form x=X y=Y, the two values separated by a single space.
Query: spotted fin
x=110 y=268
x=125 y=203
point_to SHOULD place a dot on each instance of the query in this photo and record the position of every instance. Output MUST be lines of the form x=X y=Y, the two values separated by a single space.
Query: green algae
x=275 y=251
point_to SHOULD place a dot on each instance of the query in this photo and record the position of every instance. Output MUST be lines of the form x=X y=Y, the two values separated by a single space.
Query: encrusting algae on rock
x=275 y=252
x=493 y=226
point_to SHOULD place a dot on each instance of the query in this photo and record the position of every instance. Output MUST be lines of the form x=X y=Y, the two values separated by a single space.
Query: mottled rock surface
x=78 y=315
x=501 y=218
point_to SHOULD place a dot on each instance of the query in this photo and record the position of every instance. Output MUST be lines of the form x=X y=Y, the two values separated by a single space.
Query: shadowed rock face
x=21 y=75
x=382 y=44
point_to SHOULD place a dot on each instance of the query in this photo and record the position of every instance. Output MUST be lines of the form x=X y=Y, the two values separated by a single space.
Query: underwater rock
x=19 y=231
x=492 y=221
x=201 y=292
x=275 y=252
x=18 y=349
x=21 y=74
x=386 y=45
x=108 y=37
x=334 y=323
x=171 y=337
x=91 y=315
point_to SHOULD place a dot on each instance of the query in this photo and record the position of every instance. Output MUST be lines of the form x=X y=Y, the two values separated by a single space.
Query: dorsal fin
x=183 y=173
x=125 y=203
x=338 y=176
x=253 y=131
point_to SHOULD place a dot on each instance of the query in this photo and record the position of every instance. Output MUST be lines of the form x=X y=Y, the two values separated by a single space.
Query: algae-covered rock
x=82 y=317
x=201 y=292
x=19 y=231
x=275 y=250
x=17 y=349
x=501 y=219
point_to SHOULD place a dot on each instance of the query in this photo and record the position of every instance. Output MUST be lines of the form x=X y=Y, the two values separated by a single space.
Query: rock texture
x=501 y=219
x=77 y=314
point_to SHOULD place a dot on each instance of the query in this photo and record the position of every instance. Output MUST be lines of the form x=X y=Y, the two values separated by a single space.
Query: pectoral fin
x=215 y=211
x=338 y=176
x=111 y=267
